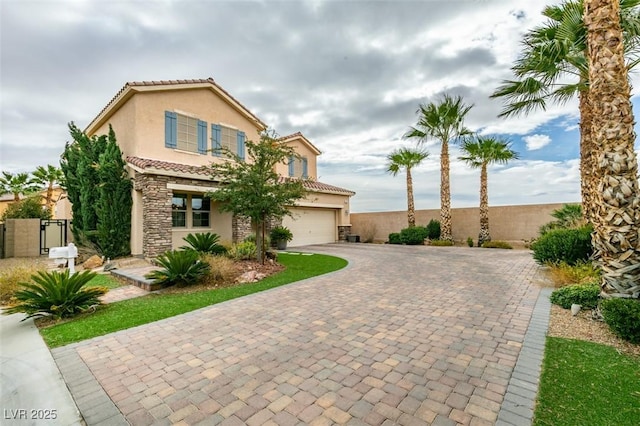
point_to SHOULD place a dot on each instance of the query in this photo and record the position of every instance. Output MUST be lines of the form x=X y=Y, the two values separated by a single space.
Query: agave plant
x=58 y=294
x=204 y=243
x=179 y=267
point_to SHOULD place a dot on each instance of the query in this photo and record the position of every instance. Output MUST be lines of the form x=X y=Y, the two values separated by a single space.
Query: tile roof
x=146 y=163
x=172 y=83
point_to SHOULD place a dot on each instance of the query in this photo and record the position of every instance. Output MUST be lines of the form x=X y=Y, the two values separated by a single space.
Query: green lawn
x=104 y=280
x=584 y=383
x=143 y=310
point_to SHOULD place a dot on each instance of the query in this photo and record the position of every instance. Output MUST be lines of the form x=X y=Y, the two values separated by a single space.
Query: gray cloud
x=348 y=74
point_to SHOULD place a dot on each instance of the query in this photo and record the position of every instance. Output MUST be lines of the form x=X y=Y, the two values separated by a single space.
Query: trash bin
x=353 y=238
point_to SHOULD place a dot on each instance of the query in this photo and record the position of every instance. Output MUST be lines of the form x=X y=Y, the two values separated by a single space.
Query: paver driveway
x=403 y=335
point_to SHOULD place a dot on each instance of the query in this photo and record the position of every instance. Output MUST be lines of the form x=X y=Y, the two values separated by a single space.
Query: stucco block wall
x=22 y=238
x=509 y=223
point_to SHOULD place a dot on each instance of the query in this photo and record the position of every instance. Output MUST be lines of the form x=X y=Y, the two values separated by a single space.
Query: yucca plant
x=58 y=294
x=179 y=267
x=204 y=243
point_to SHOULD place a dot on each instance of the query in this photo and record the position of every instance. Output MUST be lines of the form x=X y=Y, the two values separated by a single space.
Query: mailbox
x=60 y=255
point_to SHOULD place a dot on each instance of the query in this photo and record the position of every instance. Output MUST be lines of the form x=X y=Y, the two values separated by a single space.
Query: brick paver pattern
x=403 y=335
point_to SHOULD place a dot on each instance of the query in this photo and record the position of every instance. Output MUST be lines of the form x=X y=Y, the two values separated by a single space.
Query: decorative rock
x=93 y=262
x=109 y=266
x=575 y=309
x=250 y=277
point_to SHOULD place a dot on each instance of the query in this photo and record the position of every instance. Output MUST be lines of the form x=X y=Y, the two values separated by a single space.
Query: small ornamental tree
x=253 y=189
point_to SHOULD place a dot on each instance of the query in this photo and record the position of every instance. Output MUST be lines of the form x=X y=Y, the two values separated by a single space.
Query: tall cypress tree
x=99 y=190
x=114 y=204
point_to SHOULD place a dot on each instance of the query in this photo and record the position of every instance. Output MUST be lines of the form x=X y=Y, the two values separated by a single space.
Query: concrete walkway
x=32 y=391
x=403 y=335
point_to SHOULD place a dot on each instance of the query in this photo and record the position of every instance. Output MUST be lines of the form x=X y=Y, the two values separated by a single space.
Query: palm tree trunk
x=588 y=182
x=445 y=194
x=411 y=209
x=16 y=196
x=484 y=207
x=50 y=197
x=618 y=200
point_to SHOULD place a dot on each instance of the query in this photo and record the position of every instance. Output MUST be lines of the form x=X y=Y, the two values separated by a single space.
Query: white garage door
x=311 y=226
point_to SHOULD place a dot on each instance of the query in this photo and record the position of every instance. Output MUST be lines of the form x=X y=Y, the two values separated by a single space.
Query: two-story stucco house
x=169 y=131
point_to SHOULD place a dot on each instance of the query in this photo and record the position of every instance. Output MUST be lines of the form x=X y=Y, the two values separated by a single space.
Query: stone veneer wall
x=156 y=213
x=241 y=228
x=343 y=231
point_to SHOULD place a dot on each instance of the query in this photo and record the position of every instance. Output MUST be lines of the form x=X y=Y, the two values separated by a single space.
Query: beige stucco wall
x=333 y=201
x=509 y=223
x=140 y=127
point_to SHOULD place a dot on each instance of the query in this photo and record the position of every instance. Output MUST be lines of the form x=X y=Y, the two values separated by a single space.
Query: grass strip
x=103 y=280
x=143 y=310
x=584 y=383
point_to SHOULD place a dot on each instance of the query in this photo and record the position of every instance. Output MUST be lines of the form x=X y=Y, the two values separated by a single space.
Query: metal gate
x=53 y=233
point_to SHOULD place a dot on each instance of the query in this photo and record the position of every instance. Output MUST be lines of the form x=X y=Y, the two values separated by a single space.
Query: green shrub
x=568 y=216
x=433 y=229
x=470 y=241
x=563 y=245
x=623 y=316
x=179 y=267
x=394 y=238
x=497 y=244
x=58 y=294
x=245 y=250
x=204 y=243
x=251 y=238
x=413 y=235
x=585 y=295
x=441 y=243
x=280 y=233
x=28 y=208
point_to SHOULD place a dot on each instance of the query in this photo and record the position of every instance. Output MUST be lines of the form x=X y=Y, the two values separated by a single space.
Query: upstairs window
x=298 y=167
x=185 y=133
x=227 y=139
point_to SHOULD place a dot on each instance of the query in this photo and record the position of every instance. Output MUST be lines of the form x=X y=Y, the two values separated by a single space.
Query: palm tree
x=442 y=120
x=48 y=176
x=16 y=184
x=553 y=68
x=616 y=237
x=479 y=153
x=406 y=158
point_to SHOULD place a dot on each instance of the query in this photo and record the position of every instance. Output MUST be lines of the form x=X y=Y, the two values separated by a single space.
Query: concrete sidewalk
x=32 y=391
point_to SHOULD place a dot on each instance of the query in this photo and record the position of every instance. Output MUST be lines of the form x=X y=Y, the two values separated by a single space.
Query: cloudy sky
x=348 y=74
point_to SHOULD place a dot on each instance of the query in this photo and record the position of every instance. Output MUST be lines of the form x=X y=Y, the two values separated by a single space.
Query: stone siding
x=343 y=232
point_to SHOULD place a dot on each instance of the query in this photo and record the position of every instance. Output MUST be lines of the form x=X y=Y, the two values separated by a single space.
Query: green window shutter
x=305 y=169
x=170 y=129
x=202 y=137
x=216 y=139
x=241 y=138
x=291 y=166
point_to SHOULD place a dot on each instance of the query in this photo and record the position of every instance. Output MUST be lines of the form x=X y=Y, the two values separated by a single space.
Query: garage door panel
x=311 y=226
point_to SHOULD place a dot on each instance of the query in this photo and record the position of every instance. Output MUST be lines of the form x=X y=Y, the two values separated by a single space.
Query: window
x=185 y=133
x=298 y=167
x=227 y=139
x=195 y=207
x=179 y=211
x=200 y=208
